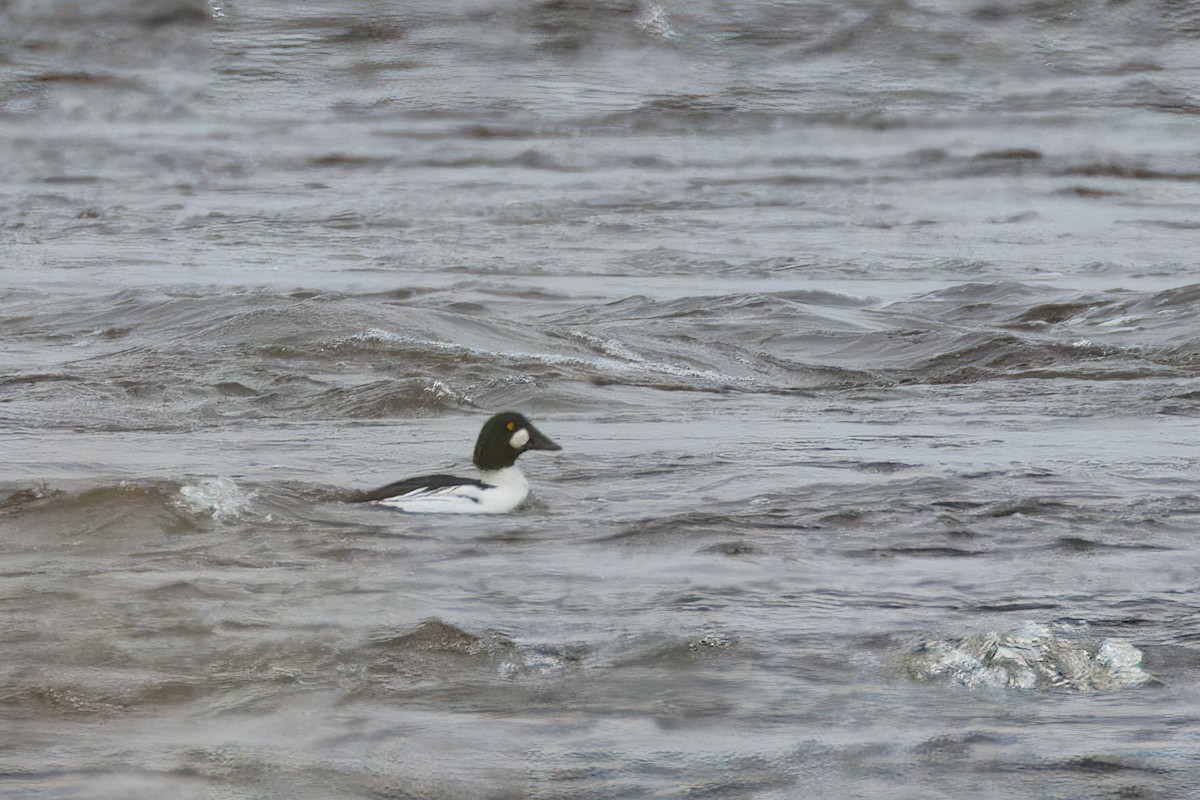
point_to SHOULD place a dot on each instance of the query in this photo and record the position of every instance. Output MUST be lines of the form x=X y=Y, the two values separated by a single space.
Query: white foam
x=219 y=498
x=376 y=335
x=1033 y=656
x=656 y=21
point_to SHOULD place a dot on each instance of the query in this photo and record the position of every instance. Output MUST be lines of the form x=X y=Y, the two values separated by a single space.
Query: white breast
x=506 y=490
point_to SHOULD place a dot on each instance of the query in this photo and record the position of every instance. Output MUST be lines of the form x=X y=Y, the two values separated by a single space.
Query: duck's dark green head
x=504 y=437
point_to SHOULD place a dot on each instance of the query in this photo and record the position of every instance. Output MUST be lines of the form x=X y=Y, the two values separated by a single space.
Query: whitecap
x=1034 y=656
x=220 y=498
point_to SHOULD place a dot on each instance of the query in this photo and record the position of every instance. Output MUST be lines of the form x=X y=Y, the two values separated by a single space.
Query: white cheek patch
x=519 y=439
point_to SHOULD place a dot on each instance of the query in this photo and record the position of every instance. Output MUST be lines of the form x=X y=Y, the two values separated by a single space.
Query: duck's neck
x=505 y=476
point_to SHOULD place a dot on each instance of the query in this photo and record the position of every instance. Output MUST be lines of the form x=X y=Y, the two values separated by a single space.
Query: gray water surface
x=868 y=330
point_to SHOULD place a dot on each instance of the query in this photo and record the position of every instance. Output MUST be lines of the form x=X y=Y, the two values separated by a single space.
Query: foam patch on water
x=1033 y=656
x=375 y=336
x=220 y=498
x=441 y=391
x=656 y=21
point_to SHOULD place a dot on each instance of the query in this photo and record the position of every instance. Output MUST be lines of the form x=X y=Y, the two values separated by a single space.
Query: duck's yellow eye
x=511 y=425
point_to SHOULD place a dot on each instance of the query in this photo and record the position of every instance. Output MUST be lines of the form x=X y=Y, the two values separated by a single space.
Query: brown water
x=868 y=330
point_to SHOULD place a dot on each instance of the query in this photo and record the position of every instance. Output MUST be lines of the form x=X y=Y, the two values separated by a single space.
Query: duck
x=499 y=489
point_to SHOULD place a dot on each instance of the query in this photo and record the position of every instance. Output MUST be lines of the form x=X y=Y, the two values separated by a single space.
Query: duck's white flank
x=506 y=490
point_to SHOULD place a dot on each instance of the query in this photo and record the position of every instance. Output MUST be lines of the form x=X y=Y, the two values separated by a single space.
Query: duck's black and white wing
x=430 y=493
x=501 y=491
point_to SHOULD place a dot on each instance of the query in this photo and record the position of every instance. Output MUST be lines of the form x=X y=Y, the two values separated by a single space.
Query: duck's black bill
x=538 y=441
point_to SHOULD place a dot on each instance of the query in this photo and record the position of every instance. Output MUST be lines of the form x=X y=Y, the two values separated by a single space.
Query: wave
x=150 y=360
x=112 y=513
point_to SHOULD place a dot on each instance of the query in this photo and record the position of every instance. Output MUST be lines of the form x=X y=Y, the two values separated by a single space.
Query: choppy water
x=869 y=331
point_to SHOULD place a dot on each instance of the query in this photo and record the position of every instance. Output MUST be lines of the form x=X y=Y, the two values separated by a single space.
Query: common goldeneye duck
x=499 y=489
